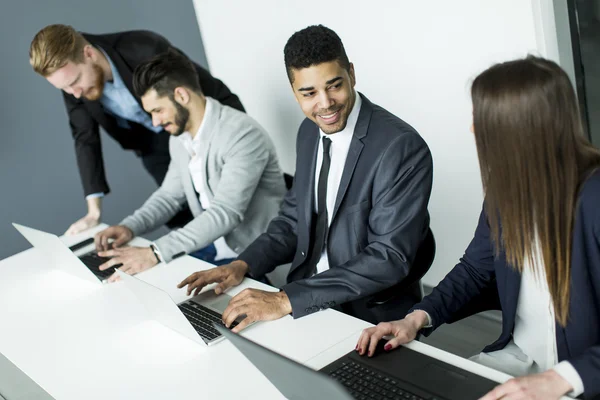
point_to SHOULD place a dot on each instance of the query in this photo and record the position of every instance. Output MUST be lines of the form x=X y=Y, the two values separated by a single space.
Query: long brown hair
x=534 y=157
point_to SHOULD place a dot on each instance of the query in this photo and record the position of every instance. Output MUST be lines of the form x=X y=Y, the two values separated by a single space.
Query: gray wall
x=38 y=174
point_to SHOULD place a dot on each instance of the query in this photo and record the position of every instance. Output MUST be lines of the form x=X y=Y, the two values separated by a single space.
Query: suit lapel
x=212 y=115
x=356 y=147
x=182 y=158
x=97 y=110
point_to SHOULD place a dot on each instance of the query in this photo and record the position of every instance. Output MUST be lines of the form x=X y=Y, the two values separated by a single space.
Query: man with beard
x=223 y=166
x=355 y=224
x=94 y=72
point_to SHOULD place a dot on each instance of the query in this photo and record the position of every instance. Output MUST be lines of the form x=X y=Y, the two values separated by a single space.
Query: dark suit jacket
x=379 y=221
x=127 y=50
x=479 y=272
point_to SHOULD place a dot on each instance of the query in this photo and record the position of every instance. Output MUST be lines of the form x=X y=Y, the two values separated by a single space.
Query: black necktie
x=321 y=223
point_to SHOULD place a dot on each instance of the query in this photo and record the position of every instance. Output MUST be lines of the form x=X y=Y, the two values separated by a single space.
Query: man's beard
x=182 y=116
x=96 y=91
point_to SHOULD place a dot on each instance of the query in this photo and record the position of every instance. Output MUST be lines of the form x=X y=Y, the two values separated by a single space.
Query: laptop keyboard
x=92 y=260
x=365 y=383
x=202 y=319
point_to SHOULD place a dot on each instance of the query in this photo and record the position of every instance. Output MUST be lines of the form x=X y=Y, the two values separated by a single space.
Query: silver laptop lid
x=57 y=253
x=161 y=307
x=17 y=385
x=293 y=380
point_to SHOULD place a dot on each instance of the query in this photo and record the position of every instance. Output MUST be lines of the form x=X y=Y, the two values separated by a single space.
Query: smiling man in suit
x=356 y=217
x=95 y=74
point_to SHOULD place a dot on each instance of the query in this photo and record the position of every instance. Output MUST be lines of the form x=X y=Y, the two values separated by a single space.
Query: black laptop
x=401 y=374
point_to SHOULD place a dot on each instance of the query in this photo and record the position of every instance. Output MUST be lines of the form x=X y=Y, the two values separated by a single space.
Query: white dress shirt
x=533 y=347
x=197 y=171
x=535 y=327
x=340 y=144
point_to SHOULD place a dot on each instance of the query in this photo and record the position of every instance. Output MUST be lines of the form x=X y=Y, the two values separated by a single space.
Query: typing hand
x=548 y=385
x=226 y=276
x=257 y=305
x=119 y=233
x=85 y=223
x=404 y=331
x=134 y=260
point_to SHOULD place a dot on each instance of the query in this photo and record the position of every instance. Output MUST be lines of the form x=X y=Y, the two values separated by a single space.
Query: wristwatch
x=156 y=253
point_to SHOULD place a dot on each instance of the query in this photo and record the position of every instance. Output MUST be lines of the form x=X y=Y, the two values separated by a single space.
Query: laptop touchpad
x=211 y=300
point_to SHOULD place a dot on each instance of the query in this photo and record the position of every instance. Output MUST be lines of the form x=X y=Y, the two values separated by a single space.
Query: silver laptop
x=399 y=374
x=17 y=385
x=193 y=318
x=58 y=255
x=62 y=257
x=293 y=380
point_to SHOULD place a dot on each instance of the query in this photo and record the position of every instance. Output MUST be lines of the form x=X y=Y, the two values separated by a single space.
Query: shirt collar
x=348 y=131
x=117 y=81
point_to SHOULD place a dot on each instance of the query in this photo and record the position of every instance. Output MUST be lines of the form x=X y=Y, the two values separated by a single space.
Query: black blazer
x=127 y=50
x=479 y=274
x=379 y=221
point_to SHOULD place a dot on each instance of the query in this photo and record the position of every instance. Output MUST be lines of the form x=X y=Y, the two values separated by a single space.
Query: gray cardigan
x=243 y=182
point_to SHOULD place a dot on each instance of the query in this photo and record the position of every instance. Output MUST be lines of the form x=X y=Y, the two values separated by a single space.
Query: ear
x=88 y=52
x=291 y=79
x=352 y=75
x=182 y=95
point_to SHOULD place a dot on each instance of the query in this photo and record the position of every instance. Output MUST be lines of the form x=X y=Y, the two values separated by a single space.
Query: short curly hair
x=313 y=45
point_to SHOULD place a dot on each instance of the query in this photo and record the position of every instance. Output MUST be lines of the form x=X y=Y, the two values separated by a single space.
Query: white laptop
x=57 y=253
x=193 y=318
x=64 y=258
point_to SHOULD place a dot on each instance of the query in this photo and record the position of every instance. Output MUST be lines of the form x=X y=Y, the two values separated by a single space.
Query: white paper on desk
x=161 y=307
x=58 y=255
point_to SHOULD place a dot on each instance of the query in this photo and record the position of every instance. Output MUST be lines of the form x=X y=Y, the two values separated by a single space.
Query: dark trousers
x=208 y=254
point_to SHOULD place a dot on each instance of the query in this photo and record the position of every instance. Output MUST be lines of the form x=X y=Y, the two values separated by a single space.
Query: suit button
x=303 y=254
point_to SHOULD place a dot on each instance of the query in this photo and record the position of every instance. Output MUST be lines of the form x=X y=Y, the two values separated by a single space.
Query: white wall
x=415 y=58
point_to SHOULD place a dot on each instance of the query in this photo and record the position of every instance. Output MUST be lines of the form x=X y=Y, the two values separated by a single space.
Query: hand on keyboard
x=225 y=275
x=404 y=331
x=120 y=235
x=133 y=259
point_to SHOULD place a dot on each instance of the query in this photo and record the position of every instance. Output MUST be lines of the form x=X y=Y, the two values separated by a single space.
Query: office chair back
x=289 y=180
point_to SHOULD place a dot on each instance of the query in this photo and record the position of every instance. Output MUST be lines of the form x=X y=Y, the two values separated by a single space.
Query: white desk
x=81 y=341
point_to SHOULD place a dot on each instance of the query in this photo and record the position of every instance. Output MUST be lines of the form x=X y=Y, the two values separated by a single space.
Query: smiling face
x=166 y=112
x=85 y=79
x=326 y=94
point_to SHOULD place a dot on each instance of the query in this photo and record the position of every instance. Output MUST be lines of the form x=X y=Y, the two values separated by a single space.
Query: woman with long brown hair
x=537 y=243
